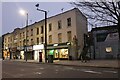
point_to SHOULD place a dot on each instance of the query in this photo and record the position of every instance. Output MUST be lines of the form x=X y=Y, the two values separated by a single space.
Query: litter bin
x=50 y=58
x=3 y=58
x=70 y=57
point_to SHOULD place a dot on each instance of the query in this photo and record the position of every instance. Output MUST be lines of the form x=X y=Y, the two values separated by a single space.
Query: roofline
x=49 y=18
x=104 y=28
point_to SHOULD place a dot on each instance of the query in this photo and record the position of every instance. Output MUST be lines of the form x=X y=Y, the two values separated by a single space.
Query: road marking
x=56 y=70
x=69 y=68
x=22 y=70
x=93 y=72
x=111 y=71
x=85 y=69
x=41 y=68
x=38 y=73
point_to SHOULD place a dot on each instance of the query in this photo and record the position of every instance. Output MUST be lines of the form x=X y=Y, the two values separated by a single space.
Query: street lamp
x=24 y=13
x=45 y=45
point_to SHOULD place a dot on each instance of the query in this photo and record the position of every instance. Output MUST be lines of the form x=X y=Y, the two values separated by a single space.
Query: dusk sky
x=11 y=18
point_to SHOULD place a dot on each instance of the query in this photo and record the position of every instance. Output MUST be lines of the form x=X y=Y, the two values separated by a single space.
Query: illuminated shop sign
x=51 y=52
x=38 y=47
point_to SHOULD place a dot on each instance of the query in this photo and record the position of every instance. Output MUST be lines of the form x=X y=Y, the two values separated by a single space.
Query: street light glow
x=22 y=12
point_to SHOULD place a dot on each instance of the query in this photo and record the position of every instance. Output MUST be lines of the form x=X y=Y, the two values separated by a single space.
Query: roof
x=105 y=28
x=48 y=18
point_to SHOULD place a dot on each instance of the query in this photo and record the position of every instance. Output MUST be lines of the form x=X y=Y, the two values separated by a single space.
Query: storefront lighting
x=6 y=48
x=68 y=43
x=55 y=45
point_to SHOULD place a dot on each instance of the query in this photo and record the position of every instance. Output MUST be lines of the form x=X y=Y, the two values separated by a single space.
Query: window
x=59 y=37
x=23 y=35
x=42 y=30
x=50 y=27
x=31 y=32
x=50 y=39
x=69 y=36
x=11 y=39
x=20 y=35
x=59 y=24
x=27 y=42
x=101 y=37
x=5 y=40
x=68 y=21
x=37 y=31
x=37 y=40
x=20 y=43
x=8 y=39
x=42 y=40
x=27 y=33
x=32 y=42
x=108 y=49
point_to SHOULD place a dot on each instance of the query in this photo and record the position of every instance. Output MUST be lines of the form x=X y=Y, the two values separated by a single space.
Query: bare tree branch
x=100 y=11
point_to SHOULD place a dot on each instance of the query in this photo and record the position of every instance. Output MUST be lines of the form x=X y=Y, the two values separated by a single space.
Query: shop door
x=40 y=56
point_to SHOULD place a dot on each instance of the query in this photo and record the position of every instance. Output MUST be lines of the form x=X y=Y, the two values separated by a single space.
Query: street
x=14 y=69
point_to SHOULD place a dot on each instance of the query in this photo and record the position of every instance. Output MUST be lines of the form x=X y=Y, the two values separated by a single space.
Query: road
x=14 y=69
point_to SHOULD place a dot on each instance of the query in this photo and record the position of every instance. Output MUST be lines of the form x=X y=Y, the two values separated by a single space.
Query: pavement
x=78 y=63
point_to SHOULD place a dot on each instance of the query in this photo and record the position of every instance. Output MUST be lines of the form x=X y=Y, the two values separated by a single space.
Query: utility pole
x=45 y=45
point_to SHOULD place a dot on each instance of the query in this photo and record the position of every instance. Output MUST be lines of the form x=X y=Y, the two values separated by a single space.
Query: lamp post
x=23 y=12
x=45 y=45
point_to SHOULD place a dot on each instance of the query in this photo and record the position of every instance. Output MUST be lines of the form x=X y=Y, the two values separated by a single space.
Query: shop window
x=63 y=53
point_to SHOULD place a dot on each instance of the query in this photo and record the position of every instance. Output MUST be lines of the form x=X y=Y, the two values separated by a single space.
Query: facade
x=0 y=47
x=105 y=42
x=65 y=37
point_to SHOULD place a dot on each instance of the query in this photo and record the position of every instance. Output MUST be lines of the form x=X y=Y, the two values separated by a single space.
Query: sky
x=11 y=18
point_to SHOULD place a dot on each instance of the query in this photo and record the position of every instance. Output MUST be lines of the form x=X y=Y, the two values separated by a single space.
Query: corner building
x=65 y=37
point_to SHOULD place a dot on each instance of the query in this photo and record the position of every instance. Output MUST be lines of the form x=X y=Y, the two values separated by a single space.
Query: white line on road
x=111 y=71
x=56 y=70
x=41 y=68
x=37 y=73
x=93 y=72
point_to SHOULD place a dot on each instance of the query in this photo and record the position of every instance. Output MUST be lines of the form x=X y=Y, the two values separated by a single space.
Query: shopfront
x=59 y=51
x=29 y=53
x=39 y=53
x=15 y=53
x=60 y=54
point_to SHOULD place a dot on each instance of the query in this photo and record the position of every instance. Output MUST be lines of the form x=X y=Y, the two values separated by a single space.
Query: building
x=0 y=47
x=105 y=42
x=65 y=37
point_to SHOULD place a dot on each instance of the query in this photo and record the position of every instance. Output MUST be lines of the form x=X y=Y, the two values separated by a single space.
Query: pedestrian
x=83 y=54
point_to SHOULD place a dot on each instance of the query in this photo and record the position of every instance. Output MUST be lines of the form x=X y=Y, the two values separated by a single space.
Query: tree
x=101 y=12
